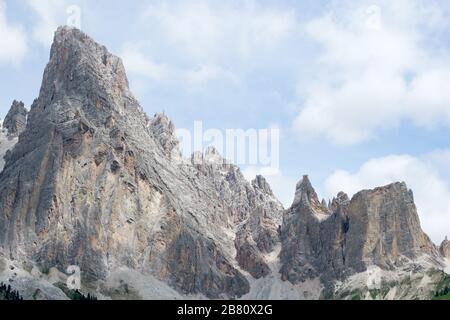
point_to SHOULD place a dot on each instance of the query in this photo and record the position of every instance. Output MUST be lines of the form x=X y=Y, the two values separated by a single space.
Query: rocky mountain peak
x=341 y=200
x=445 y=248
x=305 y=191
x=163 y=131
x=16 y=119
x=213 y=156
x=84 y=74
x=260 y=183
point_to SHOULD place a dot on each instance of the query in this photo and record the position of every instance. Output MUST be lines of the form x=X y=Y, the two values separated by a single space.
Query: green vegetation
x=442 y=288
x=75 y=294
x=356 y=296
x=443 y=297
x=7 y=293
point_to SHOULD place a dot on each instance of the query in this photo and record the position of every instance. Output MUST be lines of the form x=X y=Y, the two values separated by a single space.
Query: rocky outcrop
x=377 y=227
x=259 y=234
x=16 y=119
x=341 y=200
x=163 y=131
x=255 y=211
x=444 y=248
x=384 y=228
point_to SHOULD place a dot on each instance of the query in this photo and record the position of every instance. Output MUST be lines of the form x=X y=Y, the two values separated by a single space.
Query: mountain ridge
x=93 y=181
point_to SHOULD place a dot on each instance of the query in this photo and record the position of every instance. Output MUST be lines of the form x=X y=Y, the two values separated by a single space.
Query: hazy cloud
x=50 y=14
x=13 y=47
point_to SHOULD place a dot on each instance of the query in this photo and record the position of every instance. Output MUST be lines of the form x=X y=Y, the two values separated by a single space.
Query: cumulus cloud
x=196 y=43
x=422 y=175
x=377 y=66
x=13 y=39
x=209 y=29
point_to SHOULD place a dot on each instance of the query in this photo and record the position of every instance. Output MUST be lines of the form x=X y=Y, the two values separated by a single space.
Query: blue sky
x=359 y=89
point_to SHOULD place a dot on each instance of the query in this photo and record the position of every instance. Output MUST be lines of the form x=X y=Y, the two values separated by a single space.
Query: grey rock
x=16 y=119
x=444 y=248
x=377 y=227
x=92 y=182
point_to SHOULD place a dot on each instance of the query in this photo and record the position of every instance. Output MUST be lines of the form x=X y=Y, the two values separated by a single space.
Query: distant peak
x=341 y=200
x=305 y=191
x=213 y=156
x=261 y=183
x=164 y=132
x=305 y=185
x=16 y=119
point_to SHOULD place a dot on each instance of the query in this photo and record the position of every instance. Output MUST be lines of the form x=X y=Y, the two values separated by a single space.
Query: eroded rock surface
x=92 y=182
x=377 y=227
x=444 y=249
x=16 y=119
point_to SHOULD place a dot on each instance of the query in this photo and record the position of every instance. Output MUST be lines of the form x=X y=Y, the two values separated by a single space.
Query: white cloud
x=376 y=68
x=51 y=14
x=431 y=191
x=209 y=30
x=13 y=40
x=206 y=73
x=195 y=43
x=136 y=62
x=141 y=65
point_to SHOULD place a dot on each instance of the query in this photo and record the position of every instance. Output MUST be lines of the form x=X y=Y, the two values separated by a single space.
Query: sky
x=360 y=90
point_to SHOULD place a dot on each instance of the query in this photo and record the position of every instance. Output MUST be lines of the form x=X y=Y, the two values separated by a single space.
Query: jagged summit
x=340 y=200
x=261 y=183
x=163 y=131
x=16 y=119
x=81 y=67
x=445 y=248
x=305 y=191
x=306 y=196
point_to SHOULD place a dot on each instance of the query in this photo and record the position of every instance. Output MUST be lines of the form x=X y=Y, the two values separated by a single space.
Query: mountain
x=91 y=181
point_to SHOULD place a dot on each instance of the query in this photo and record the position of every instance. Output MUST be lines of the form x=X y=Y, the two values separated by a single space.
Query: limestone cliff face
x=255 y=211
x=93 y=182
x=377 y=227
x=386 y=223
x=259 y=234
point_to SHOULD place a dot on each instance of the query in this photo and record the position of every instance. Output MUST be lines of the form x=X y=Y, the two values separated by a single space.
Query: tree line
x=7 y=293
